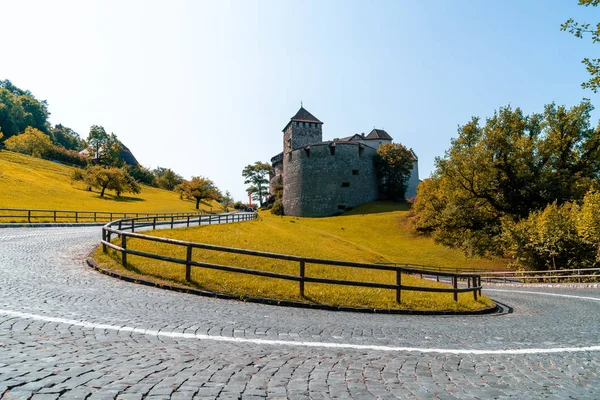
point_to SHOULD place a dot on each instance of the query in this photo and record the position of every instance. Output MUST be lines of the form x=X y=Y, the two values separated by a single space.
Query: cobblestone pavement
x=67 y=331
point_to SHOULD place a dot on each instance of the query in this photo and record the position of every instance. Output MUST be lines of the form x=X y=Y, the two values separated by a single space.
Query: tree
x=105 y=149
x=513 y=165
x=112 y=178
x=257 y=175
x=226 y=200
x=66 y=137
x=32 y=142
x=20 y=109
x=393 y=164
x=166 y=178
x=199 y=188
x=580 y=30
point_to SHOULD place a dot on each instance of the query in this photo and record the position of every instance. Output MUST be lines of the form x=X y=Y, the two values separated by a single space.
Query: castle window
x=345 y=184
x=341 y=207
x=290 y=156
x=307 y=151
x=361 y=151
x=332 y=150
x=355 y=172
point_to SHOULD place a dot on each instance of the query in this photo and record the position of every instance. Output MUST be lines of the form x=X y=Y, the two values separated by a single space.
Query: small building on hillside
x=323 y=178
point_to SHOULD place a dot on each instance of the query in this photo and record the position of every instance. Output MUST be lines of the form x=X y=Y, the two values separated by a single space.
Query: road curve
x=67 y=331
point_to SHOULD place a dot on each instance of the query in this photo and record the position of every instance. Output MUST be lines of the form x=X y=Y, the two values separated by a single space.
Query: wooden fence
x=34 y=215
x=125 y=229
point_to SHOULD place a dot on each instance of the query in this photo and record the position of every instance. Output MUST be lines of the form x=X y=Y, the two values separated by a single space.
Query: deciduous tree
x=257 y=175
x=111 y=178
x=199 y=188
x=393 y=164
x=105 y=149
x=31 y=141
x=511 y=166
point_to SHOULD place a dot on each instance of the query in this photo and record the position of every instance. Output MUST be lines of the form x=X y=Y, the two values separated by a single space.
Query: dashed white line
x=179 y=335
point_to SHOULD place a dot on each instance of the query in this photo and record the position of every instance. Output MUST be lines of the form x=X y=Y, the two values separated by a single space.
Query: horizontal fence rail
x=37 y=215
x=125 y=229
x=551 y=276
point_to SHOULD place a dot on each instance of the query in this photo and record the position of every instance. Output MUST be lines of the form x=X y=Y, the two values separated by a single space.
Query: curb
x=50 y=225
x=285 y=303
x=546 y=285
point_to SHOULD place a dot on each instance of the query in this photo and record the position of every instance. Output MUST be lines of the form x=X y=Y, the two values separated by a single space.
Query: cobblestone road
x=69 y=332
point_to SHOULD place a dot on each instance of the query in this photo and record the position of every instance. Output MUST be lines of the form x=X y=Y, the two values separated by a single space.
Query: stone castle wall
x=323 y=179
x=298 y=134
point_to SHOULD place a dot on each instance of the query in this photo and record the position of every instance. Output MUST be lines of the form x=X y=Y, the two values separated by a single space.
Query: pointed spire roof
x=303 y=116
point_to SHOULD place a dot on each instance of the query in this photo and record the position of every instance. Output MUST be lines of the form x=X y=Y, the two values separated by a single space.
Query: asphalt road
x=67 y=331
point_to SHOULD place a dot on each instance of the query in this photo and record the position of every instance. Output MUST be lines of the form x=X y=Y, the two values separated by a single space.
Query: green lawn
x=373 y=233
x=29 y=182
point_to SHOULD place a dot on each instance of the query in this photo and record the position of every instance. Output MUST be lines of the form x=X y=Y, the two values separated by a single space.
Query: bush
x=277 y=208
x=63 y=155
x=550 y=239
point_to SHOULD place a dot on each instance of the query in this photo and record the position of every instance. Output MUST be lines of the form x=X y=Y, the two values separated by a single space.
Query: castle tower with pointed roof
x=303 y=128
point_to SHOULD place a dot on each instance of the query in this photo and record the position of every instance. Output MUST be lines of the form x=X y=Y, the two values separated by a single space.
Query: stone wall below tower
x=325 y=179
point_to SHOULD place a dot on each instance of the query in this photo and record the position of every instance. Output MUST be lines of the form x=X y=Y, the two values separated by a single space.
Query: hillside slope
x=28 y=182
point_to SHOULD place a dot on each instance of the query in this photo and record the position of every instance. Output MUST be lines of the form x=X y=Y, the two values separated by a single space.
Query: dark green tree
x=393 y=164
x=66 y=137
x=111 y=178
x=166 y=178
x=257 y=175
x=104 y=149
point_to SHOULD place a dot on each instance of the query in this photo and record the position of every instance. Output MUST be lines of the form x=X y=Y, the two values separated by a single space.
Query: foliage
x=579 y=31
x=112 y=178
x=32 y=142
x=66 y=137
x=166 y=178
x=513 y=165
x=588 y=221
x=257 y=175
x=141 y=174
x=226 y=200
x=103 y=148
x=277 y=208
x=59 y=153
x=393 y=164
x=199 y=188
x=548 y=239
x=20 y=109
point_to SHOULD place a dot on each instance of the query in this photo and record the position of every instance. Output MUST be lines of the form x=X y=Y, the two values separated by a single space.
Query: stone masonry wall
x=318 y=184
x=298 y=134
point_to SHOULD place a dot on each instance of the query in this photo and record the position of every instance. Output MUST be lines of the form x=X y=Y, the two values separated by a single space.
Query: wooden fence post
x=188 y=221
x=123 y=252
x=188 y=266
x=154 y=223
x=133 y=225
x=172 y=218
x=302 y=273
x=76 y=216
x=455 y=286
x=399 y=286
x=474 y=286
x=29 y=216
x=103 y=239
x=55 y=216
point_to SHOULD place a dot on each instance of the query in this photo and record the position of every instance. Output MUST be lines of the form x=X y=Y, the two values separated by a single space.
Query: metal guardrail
x=37 y=215
x=555 y=275
x=126 y=229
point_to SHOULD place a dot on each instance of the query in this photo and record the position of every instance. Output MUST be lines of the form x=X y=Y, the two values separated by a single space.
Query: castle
x=325 y=178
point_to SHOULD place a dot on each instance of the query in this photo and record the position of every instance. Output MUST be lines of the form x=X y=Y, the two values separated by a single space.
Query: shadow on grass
x=378 y=207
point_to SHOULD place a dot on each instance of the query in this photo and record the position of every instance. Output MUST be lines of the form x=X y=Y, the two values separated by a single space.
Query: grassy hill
x=28 y=182
x=373 y=233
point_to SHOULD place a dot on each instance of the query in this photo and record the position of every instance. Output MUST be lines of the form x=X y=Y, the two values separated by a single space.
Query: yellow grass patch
x=375 y=233
x=28 y=182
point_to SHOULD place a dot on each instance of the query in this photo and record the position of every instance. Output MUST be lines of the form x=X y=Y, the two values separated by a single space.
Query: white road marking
x=543 y=293
x=179 y=335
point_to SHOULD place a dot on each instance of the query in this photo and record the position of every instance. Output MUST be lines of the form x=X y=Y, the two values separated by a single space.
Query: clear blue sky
x=206 y=87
